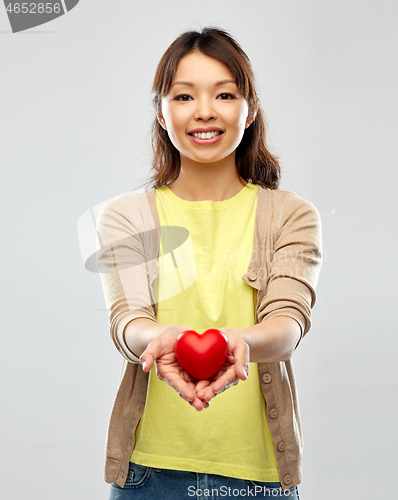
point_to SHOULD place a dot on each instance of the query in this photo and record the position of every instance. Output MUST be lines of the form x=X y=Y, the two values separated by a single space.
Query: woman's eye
x=182 y=97
x=225 y=96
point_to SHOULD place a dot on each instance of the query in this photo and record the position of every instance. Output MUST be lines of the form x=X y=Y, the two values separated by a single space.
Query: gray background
x=75 y=117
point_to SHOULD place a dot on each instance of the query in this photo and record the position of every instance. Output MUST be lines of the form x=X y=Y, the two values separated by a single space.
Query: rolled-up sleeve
x=295 y=264
x=122 y=264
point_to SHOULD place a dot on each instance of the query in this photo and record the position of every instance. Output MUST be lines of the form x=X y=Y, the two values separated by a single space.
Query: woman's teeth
x=206 y=135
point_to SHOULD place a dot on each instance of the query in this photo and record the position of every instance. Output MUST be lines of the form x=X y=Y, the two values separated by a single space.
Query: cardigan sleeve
x=295 y=264
x=122 y=255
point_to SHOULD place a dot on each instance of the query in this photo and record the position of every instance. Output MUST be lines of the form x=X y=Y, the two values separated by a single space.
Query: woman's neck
x=207 y=182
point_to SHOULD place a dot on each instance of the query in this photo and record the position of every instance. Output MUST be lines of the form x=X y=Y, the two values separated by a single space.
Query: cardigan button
x=273 y=413
x=281 y=446
x=287 y=479
x=252 y=276
x=267 y=378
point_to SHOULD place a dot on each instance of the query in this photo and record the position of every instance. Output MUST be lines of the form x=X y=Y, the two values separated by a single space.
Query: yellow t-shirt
x=231 y=437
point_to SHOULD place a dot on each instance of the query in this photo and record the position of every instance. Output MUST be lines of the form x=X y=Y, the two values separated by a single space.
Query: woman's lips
x=204 y=142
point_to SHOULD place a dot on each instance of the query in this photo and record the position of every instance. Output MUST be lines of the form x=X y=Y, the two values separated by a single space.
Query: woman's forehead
x=200 y=67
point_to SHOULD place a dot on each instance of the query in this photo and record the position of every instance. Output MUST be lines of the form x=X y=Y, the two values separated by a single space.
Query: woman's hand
x=198 y=393
x=161 y=352
x=235 y=368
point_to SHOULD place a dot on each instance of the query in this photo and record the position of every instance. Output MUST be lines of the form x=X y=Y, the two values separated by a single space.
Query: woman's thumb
x=147 y=360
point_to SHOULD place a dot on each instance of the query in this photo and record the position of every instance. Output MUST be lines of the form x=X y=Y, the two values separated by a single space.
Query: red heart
x=201 y=355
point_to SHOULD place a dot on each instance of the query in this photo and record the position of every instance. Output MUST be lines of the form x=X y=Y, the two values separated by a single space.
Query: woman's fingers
x=149 y=356
x=227 y=380
x=240 y=353
x=201 y=387
x=182 y=383
x=198 y=404
x=169 y=370
x=235 y=368
x=161 y=345
x=241 y=365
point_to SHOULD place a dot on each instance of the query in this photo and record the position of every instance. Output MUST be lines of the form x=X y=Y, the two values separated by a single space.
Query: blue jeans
x=147 y=483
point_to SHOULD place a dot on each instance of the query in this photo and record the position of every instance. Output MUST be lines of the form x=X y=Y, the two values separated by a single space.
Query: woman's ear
x=161 y=120
x=250 y=118
x=252 y=114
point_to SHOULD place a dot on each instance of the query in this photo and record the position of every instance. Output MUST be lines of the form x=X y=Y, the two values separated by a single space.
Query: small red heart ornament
x=201 y=355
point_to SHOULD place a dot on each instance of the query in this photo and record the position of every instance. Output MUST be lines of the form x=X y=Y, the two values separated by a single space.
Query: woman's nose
x=204 y=109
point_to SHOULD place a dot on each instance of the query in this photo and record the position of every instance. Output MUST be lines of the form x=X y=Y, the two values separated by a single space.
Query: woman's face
x=204 y=98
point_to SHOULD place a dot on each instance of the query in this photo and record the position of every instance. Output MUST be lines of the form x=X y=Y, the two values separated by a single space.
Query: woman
x=214 y=244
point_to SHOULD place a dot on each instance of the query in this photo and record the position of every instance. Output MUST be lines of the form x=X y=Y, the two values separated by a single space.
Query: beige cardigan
x=284 y=270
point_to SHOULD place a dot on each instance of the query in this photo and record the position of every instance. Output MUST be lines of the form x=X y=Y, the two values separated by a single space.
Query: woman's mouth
x=206 y=137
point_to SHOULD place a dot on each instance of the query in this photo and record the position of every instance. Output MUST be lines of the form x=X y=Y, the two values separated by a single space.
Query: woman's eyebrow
x=217 y=84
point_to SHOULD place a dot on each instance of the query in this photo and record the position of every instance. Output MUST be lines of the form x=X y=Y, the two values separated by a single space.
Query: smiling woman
x=214 y=177
x=235 y=81
x=205 y=117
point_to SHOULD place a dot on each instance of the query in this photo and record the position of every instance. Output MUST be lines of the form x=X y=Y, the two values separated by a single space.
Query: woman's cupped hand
x=198 y=393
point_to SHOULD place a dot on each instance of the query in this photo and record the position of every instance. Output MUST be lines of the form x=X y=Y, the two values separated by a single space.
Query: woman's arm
x=122 y=261
x=273 y=339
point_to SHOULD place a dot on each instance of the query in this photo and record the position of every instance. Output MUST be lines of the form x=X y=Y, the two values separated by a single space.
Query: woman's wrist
x=140 y=332
x=271 y=340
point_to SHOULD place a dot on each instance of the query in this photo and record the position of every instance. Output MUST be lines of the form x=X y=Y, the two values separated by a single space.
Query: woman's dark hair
x=253 y=160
